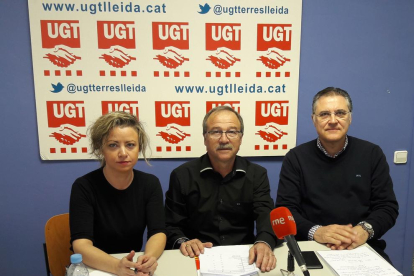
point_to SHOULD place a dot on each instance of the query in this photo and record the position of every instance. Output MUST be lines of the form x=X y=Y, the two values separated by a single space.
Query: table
x=173 y=263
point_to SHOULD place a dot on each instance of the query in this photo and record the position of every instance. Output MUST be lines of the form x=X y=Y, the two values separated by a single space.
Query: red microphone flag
x=282 y=222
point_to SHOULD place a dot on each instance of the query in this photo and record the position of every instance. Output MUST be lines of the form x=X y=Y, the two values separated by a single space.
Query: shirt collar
x=319 y=144
x=239 y=165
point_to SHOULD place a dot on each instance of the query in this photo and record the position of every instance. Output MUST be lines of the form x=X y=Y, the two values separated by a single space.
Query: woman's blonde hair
x=100 y=129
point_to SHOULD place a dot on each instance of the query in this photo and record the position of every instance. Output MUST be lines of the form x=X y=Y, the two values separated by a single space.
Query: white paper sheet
x=361 y=261
x=226 y=260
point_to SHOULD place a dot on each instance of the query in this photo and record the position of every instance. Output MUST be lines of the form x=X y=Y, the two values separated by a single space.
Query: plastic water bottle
x=77 y=268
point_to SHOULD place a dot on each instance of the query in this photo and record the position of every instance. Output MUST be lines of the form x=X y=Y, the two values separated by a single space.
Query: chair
x=57 y=247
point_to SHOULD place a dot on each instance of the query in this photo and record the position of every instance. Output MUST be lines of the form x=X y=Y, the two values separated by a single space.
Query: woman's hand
x=126 y=266
x=146 y=265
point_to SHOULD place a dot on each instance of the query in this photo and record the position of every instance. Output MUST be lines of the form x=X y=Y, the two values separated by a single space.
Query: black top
x=201 y=204
x=353 y=187
x=115 y=220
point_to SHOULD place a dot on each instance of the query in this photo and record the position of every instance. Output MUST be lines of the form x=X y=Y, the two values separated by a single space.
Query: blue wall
x=365 y=47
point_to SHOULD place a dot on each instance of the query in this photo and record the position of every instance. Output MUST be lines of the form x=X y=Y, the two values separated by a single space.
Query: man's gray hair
x=219 y=109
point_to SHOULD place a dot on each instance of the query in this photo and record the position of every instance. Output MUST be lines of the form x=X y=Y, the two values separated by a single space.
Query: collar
x=319 y=144
x=239 y=165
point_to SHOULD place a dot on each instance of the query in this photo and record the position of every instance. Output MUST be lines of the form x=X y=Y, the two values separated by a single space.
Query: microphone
x=284 y=227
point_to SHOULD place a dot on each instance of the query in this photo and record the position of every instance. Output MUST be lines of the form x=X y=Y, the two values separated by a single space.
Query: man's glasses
x=325 y=115
x=231 y=134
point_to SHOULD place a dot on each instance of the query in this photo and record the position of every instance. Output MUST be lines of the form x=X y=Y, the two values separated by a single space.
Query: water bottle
x=77 y=268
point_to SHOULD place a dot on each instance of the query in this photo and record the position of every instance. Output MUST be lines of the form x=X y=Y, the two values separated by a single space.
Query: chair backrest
x=57 y=236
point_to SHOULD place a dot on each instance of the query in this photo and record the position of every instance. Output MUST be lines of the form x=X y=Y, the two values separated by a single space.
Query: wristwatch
x=312 y=231
x=367 y=227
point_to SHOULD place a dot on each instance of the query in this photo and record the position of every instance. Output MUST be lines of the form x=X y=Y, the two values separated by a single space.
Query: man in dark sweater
x=338 y=187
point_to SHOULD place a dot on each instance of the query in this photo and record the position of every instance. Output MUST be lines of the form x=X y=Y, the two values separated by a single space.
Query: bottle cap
x=76 y=258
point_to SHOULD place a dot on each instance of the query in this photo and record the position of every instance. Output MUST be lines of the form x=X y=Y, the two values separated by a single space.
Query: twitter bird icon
x=204 y=9
x=56 y=87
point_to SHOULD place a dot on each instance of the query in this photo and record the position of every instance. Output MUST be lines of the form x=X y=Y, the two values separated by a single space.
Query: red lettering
x=272 y=111
x=166 y=34
x=112 y=33
x=233 y=104
x=172 y=112
x=60 y=32
x=274 y=35
x=130 y=107
x=59 y=113
x=223 y=35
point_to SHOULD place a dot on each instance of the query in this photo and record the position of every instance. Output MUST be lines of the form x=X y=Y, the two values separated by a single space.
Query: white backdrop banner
x=168 y=63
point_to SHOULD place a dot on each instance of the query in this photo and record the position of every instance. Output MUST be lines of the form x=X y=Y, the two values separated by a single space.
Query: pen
x=197 y=261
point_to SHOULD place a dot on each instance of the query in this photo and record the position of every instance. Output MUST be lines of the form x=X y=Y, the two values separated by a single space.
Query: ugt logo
x=111 y=33
x=172 y=38
x=67 y=116
x=173 y=116
x=274 y=35
x=61 y=36
x=65 y=112
x=130 y=107
x=223 y=38
x=233 y=104
x=118 y=37
x=272 y=111
x=223 y=35
x=275 y=39
x=173 y=34
x=60 y=32
x=270 y=115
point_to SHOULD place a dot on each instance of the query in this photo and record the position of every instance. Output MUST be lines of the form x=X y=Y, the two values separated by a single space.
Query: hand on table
x=361 y=237
x=335 y=235
x=265 y=259
x=126 y=266
x=194 y=247
x=146 y=265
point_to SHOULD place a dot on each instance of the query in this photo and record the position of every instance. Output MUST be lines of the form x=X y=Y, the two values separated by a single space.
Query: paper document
x=226 y=260
x=361 y=261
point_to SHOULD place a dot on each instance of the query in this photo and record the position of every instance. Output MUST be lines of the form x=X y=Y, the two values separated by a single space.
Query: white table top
x=173 y=263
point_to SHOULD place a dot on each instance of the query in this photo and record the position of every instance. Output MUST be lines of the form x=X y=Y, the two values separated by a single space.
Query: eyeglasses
x=231 y=134
x=325 y=115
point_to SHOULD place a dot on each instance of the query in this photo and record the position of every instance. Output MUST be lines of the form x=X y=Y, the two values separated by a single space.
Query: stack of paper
x=227 y=261
x=360 y=261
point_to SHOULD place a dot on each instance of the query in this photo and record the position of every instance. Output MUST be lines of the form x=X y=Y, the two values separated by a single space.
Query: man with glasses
x=338 y=187
x=217 y=198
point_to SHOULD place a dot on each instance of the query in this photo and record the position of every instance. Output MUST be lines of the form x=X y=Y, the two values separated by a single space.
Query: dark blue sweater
x=356 y=186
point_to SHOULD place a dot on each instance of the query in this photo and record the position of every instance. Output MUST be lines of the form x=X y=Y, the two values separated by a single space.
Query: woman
x=111 y=206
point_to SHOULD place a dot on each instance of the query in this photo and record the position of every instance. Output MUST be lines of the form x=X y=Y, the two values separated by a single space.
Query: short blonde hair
x=100 y=129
